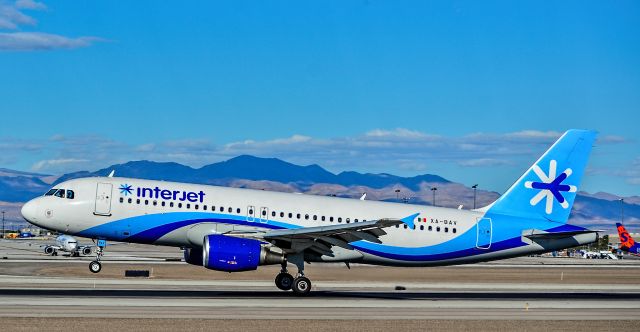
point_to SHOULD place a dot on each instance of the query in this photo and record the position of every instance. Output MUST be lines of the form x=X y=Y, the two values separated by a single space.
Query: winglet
x=409 y=220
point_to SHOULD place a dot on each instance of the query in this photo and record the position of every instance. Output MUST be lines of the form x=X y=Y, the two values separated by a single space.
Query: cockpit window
x=59 y=193
x=70 y=194
x=51 y=192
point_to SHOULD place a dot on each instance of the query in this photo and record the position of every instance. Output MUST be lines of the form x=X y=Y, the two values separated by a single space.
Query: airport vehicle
x=25 y=235
x=626 y=241
x=67 y=243
x=233 y=229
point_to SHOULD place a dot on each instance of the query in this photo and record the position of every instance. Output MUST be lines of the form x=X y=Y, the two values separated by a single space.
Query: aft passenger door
x=103 y=199
x=483 y=227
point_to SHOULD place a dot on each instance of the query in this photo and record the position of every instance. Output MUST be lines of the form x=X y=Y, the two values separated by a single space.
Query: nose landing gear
x=96 y=266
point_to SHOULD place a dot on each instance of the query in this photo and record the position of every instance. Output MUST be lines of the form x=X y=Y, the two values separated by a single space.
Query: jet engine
x=86 y=251
x=232 y=254
x=49 y=250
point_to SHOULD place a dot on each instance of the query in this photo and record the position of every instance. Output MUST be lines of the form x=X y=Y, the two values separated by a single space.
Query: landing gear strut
x=96 y=266
x=301 y=284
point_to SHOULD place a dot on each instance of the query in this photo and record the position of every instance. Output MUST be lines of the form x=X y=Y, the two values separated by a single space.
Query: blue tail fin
x=548 y=188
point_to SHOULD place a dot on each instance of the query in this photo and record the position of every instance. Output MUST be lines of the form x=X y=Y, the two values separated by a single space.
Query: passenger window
x=422 y=227
x=330 y=219
x=315 y=217
x=264 y=212
x=273 y=213
x=70 y=194
x=322 y=218
x=51 y=192
x=138 y=201
x=146 y=202
x=430 y=228
x=438 y=229
x=306 y=217
x=405 y=226
x=130 y=200
x=121 y=200
x=290 y=215
x=163 y=203
x=196 y=207
x=221 y=209
x=454 y=231
x=250 y=211
x=281 y=214
x=446 y=229
x=397 y=226
x=339 y=219
x=204 y=207
x=179 y=205
x=230 y=210
x=155 y=203
x=188 y=206
x=238 y=210
x=298 y=215
x=355 y=220
x=170 y=204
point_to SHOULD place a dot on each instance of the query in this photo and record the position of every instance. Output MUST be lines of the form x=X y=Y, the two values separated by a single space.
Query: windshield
x=51 y=192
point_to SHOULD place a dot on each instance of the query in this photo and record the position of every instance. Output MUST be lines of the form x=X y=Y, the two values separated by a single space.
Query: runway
x=529 y=293
x=118 y=298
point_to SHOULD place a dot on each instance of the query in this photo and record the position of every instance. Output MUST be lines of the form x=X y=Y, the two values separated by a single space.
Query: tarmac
x=530 y=293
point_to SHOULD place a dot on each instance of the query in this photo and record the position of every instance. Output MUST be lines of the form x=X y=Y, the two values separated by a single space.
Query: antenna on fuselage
x=111 y=174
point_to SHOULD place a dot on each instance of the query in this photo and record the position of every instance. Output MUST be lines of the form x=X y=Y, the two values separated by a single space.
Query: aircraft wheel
x=301 y=286
x=95 y=266
x=284 y=281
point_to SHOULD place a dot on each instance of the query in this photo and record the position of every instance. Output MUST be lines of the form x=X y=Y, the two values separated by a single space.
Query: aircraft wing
x=322 y=238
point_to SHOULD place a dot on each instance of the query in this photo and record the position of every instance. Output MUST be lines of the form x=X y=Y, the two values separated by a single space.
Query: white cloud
x=30 y=4
x=407 y=150
x=53 y=164
x=12 y=17
x=27 y=41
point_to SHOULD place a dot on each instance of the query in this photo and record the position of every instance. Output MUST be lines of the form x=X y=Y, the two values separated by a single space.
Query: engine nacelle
x=86 y=251
x=193 y=256
x=232 y=254
x=49 y=250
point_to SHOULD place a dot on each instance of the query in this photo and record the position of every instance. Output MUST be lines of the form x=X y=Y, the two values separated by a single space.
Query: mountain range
x=600 y=210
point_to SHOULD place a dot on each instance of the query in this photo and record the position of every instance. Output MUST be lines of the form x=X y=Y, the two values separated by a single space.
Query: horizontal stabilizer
x=535 y=234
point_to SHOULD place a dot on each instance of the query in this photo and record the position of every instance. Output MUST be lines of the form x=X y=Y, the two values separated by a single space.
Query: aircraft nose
x=30 y=211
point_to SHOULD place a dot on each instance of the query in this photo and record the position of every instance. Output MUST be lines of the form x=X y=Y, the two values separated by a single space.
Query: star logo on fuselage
x=550 y=186
x=125 y=189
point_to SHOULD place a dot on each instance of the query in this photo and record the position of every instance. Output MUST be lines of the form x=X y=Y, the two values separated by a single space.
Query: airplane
x=68 y=244
x=626 y=241
x=235 y=229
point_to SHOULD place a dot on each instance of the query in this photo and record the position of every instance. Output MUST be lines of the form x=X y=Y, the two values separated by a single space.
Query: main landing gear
x=96 y=266
x=300 y=285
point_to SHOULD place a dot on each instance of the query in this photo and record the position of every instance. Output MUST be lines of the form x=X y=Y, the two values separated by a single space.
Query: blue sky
x=470 y=90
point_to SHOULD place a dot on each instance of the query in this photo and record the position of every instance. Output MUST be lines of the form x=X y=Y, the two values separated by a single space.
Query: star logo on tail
x=550 y=186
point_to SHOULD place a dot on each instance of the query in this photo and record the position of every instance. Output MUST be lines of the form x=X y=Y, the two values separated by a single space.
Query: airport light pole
x=433 y=190
x=475 y=187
